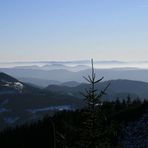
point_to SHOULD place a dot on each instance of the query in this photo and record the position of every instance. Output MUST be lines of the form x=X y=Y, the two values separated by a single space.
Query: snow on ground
x=135 y=134
x=53 y=108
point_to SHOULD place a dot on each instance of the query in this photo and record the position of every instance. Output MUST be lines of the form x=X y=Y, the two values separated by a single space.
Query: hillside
x=21 y=102
x=9 y=84
x=118 y=89
x=122 y=121
x=64 y=75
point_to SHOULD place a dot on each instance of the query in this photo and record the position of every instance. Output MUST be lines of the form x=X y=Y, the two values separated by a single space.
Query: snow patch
x=19 y=86
x=52 y=108
x=16 y=85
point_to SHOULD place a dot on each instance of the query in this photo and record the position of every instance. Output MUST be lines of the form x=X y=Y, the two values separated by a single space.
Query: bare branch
x=107 y=86
x=99 y=80
x=103 y=92
x=87 y=79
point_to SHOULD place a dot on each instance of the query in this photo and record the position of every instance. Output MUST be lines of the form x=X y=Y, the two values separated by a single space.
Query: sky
x=42 y=30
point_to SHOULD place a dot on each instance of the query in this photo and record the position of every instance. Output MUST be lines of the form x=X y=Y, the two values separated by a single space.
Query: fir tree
x=91 y=129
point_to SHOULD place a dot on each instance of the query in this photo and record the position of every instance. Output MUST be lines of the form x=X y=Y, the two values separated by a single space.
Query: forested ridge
x=113 y=119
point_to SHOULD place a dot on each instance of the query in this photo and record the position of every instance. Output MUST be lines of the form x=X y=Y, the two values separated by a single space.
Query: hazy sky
x=73 y=29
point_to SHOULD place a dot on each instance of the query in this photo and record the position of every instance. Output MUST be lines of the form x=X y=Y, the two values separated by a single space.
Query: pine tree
x=91 y=128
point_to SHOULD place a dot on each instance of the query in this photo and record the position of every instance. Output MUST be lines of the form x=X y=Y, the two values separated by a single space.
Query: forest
x=66 y=129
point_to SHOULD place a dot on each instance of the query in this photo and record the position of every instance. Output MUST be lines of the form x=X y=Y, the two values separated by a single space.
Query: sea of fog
x=97 y=64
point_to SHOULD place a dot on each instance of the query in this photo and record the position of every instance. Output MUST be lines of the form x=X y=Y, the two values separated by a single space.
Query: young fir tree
x=91 y=130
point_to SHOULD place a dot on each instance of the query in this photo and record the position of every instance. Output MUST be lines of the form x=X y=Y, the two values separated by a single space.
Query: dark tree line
x=69 y=125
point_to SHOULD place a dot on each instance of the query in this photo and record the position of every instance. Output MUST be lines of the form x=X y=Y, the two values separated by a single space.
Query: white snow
x=16 y=85
x=19 y=86
x=54 y=108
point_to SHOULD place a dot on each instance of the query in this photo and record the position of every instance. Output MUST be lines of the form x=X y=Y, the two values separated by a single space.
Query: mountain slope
x=63 y=75
x=9 y=84
x=4 y=77
x=118 y=88
x=22 y=104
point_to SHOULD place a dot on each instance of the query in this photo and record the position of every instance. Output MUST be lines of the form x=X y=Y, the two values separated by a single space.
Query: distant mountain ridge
x=54 y=66
x=69 y=62
x=63 y=75
x=74 y=62
x=21 y=102
x=118 y=89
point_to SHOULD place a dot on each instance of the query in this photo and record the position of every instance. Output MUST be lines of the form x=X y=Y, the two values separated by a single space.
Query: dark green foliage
x=93 y=121
x=68 y=125
x=38 y=134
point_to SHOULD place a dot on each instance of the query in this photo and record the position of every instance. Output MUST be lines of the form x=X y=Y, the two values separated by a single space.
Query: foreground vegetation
x=70 y=131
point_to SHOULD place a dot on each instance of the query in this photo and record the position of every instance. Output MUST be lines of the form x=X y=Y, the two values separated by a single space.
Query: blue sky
x=32 y=30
